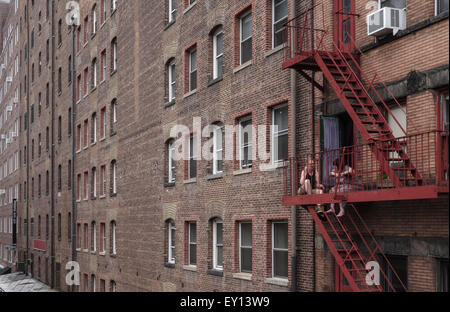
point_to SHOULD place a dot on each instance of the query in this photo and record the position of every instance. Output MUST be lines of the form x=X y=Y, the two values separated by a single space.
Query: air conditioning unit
x=9 y=79
x=385 y=21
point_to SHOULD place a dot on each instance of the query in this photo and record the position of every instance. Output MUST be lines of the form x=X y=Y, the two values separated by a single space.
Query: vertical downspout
x=313 y=134
x=52 y=160
x=74 y=253
x=293 y=141
x=28 y=138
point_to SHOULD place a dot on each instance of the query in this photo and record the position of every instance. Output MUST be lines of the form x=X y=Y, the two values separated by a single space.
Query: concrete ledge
x=191 y=268
x=241 y=67
x=242 y=171
x=243 y=276
x=277 y=281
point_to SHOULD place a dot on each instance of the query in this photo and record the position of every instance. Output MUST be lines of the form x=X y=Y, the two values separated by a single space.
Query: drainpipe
x=52 y=160
x=292 y=143
x=27 y=255
x=74 y=252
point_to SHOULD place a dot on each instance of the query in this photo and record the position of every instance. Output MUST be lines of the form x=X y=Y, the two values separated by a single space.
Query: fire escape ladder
x=352 y=257
x=367 y=117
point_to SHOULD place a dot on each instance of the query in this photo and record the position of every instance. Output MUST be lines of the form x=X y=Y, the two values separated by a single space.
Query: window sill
x=243 y=276
x=277 y=281
x=78 y=250
x=112 y=195
x=169 y=185
x=189 y=8
x=103 y=254
x=169 y=24
x=190 y=181
x=243 y=66
x=93 y=252
x=242 y=171
x=214 y=81
x=190 y=93
x=215 y=272
x=169 y=104
x=169 y=265
x=93 y=198
x=271 y=166
x=86 y=250
x=274 y=50
x=113 y=72
x=113 y=256
x=113 y=133
x=93 y=35
x=191 y=268
x=215 y=176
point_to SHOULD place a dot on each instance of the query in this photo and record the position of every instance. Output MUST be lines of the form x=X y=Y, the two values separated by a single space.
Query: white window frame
x=114 y=247
x=215 y=245
x=245 y=247
x=103 y=180
x=217 y=149
x=241 y=39
x=114 y=55
x=104 y=63
x=94 y=129
x=192 y=243
x=103 y=233
x=114 y=177
x=192 y=70
x=113 y=5
x=172 y=81
x=275 y=22
x=217 y=55
x=171 y=251
x=94 y=19
x=192 y=157
x=94 y=243
x=277 y=249
x=172 y=11
x=242 y=146
x=276 y=134
x=171 y=164
x=94 y=68
x=94 y=186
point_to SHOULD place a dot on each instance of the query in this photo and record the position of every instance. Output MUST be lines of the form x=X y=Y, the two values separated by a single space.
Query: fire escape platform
x=391 y=194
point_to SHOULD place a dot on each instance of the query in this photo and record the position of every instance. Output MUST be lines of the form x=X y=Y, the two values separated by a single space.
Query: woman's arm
x=303 y=177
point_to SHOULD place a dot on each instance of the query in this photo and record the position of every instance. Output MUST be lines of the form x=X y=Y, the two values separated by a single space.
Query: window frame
x=171 y=162
x=172 y=81
x=216 y=266
x=245 y=247
x=249 y=145
x=217 y=150
x=171 y=247
x=192 y=71
x=192 y=158
x=279 y=249
x=217 y=56
x=274 y=22
x=190 y=243
x=241 y=39
x=275 y=135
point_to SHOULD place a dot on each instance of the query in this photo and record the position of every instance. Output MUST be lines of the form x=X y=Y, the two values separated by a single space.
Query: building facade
x=104 y=178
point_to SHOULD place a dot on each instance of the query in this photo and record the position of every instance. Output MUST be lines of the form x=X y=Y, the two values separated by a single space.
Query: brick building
x=98 y=180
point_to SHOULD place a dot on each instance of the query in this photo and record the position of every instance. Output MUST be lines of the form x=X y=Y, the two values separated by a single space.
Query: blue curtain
x=331 y=143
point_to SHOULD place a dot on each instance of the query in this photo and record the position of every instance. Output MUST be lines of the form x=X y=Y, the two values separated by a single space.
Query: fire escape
x=385 y=167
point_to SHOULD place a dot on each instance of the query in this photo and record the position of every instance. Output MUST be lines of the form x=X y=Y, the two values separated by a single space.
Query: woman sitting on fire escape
x=345 y=181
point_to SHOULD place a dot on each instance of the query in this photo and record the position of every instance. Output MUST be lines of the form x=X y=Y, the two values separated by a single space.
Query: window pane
x=281 y=9
x=280 y=263
x=246 y=234
x=246 y=31
x=246 y=260
x=246 y=51
x=283 y=150
x=280 y=235
x=219 y=237
x=192 y=233
x=399 y=4
x=220 y=256
x=192 y=254
x=193 y=65
x=193 y=81
x=281 y=118
x=220 y=66
x=219 y=44
x=442 y=6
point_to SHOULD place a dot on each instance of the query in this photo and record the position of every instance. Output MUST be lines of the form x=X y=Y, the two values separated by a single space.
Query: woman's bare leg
x=308 y=187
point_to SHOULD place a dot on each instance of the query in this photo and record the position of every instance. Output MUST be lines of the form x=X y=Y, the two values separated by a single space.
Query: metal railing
x=356 y=168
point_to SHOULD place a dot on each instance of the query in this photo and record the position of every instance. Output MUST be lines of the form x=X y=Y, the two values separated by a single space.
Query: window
x=218 y=150
x=218 y=244
x=114 y=55
x=444 y=109
x=94 y=237
x=103 y=180
x=78 y=236
x=192 y=228
x=102 y=285
x=103 y=66
x=113 y=177
x=171 y=241
x=113 y=246
x=69 y=175
x=94 y=73
x=172 y=10
x=69 y=122
x=85 y=133
x=94 y=20
x=192 y=69
x=279 y=19
x=113 y=117
x=102 y=11
x=172 y=81
x=85 y=185
x=113 y=5
x=69 y=227
x=86 y=81
x=245 y=38
x=218 y=55
x=400 y=266
x=192 y=163
x=85 y=237
x=94 y=128
x=399 y=4
x=79 y=187
x=442 y=275
x=93 y=283
x=78 y=137
x=245 y=142
x=171 y=162
x=113 y=286
x=280 y=133
x=78 y=88
x=86 y=29
x=245 y=247
x=59 y=178
x=280 y=249
x=59 y=227
x=102 y=237
x=94 y=183
x=103 y=123
x=441 y=6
